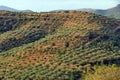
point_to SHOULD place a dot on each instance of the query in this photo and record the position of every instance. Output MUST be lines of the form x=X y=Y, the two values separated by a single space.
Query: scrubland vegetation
x=104 y=73
x=59 y=46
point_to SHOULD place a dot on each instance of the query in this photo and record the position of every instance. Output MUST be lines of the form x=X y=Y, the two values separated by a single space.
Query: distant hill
x=13 y=10
x=27 y=10
x=112 y=12
x=7 y=8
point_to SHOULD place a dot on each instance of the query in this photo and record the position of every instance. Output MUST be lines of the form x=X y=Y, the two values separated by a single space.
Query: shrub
x=52 y=30
x=59 y=52
x=104 y=73
x=53 y=44
x=90 y=35
x=66 y=44
x=66 y=11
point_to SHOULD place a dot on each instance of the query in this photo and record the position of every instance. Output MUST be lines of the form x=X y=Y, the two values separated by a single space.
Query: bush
x=66 y=44
x=104 y=73
x=59 y=52
x=90 y=35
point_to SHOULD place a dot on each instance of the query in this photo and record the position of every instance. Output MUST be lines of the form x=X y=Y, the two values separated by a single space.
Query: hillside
x=56 y=45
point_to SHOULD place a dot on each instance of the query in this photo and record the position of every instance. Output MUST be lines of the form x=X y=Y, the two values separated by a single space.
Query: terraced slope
x=56 y=46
